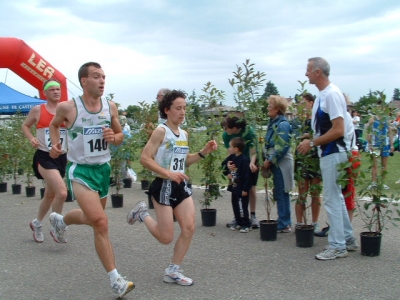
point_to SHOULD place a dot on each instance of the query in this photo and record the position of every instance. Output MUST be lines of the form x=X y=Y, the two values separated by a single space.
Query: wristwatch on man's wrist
x=311 y=144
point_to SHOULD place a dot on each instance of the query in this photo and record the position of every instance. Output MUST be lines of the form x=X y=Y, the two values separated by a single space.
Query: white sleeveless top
x=173 y=151
x=85 y=137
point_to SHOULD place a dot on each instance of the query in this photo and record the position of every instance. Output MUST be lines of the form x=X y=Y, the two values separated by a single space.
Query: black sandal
x=323 y=232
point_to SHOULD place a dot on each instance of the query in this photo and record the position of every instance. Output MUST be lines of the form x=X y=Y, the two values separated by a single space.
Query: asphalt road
x=224 y=264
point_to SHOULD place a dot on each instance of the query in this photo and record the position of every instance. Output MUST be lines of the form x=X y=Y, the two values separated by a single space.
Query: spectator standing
x=240 y=183
x=237 y=127
x=328 y=124
x=279 y=159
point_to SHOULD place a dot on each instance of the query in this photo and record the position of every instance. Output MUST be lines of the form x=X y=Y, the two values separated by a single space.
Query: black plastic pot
x=3 y=187
x=69 y=197
x=30 y=191
x=42 y=190
x=370 y=243
x=145 y=184
x=150 y=202
x=117 y=200
x=304 y=236
x=268 y=230
x=127 y=182
x=208 y=217
x=16 y=189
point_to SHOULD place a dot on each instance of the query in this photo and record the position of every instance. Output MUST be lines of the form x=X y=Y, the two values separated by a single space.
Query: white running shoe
x=121 y=286
x=254 y=222
x=56 y=231
x=37 y=231
x=176 y=277
x=331 y=254
x=134 y=214
x=231 y=223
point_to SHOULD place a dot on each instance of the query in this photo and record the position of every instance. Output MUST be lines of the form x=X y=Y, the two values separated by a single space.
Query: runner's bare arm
x=149 y=152
x=114 y=134
x=207 y=149
x=60 y=117
x=31 y=119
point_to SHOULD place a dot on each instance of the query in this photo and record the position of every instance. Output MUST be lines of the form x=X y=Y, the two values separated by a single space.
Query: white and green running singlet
x=86 y=144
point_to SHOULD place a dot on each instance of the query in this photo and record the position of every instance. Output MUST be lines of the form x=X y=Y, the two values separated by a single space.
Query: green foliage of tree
x=270 y=89
x=132 y=111
x=18 y=145
x=364 y=104
x=246 y=83
x=382 y=210
x=303 y=161
x=211 y=165
x=193 y=108
x=396 y=94
x=5 y=150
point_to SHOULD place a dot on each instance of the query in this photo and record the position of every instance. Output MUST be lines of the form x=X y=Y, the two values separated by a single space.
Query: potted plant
x=246 y=83
x=306 y=174
x=42 y=189
x=116 y=172
x=145 y=176
x=117 y=199
x=30 y=189
x=211 y=164
x=17 y=150
x=381 y=210
x=4 y=159
x=26 y=163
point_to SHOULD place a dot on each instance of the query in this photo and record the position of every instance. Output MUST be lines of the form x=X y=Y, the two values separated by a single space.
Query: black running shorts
x=43 y=158
x=167 y=192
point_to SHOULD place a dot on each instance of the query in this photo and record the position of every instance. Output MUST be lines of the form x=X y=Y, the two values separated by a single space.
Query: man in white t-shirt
x=328 y=122
x=357 y=130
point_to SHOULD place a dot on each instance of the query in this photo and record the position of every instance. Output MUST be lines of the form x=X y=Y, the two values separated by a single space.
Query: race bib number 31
x=94 y=143
x=178 y=161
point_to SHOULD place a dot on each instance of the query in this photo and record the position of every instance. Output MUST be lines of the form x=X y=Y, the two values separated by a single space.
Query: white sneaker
x=176 y=277
x=57 y=232
x=134 y=214
x=316 y=227
x=37 y=231
x=373 y=185
x=386 y=187
x=254 y=222
x=245 y=229
x=331 y=254
x=351 y=245
x=121 y=286
x=231 y=223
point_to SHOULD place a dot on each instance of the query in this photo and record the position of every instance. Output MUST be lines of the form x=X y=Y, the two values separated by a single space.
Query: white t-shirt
x=356 y=122
x=329 y=105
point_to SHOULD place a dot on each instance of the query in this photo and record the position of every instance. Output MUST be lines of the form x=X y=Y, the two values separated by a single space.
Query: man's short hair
x=320 y=63
x=84 y=70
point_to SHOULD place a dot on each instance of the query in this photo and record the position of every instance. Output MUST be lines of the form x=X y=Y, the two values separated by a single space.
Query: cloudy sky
x=145 y=45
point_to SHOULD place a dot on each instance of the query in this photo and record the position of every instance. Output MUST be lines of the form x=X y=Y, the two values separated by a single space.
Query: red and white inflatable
x=29 y=65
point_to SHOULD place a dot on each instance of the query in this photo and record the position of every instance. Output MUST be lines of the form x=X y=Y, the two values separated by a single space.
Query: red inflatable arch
x=29 y=65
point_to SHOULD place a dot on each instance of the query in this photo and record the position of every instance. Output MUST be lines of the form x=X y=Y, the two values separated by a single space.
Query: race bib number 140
x=93 y=140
